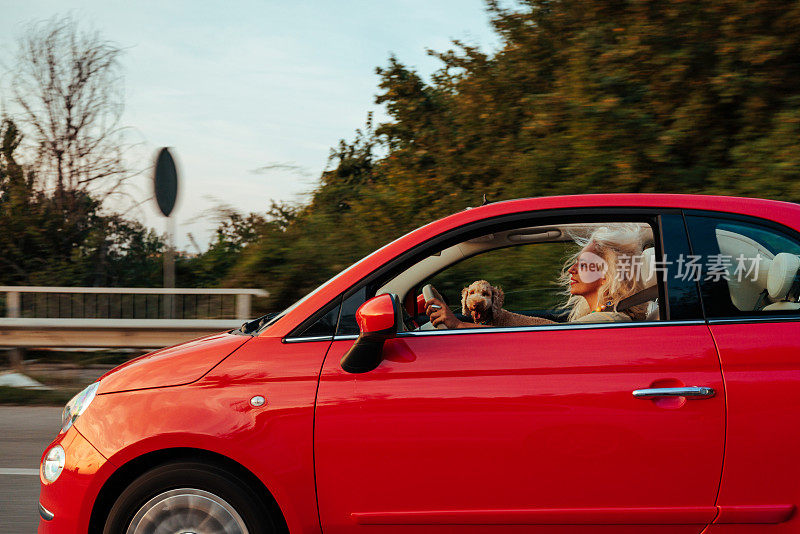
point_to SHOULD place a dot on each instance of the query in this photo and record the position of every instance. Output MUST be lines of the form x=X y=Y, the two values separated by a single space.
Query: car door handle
x=694 y=392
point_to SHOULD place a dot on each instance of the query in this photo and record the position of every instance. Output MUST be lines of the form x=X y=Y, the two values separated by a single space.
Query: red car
x=348 y=413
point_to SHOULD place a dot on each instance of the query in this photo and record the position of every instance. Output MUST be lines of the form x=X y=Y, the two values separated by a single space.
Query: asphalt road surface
x=24 y=433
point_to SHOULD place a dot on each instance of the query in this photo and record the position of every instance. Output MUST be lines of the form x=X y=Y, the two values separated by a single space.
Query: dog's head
x=482 y=301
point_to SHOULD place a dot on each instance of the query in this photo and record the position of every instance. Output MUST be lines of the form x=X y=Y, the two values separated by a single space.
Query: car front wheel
x=188 y=497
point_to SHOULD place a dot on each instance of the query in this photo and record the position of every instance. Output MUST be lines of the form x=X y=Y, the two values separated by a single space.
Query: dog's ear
x=497 y=300
x=464 y=293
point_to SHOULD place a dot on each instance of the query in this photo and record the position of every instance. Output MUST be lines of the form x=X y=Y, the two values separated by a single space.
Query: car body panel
x=171 y=366
x=85 y=471
x=273 y=441
x=761 y=363
x=522 y=427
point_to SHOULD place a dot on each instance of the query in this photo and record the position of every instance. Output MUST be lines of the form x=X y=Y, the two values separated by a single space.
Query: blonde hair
x=614 y=243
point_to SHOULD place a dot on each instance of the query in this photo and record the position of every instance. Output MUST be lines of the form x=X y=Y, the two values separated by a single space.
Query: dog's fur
x=484 y=303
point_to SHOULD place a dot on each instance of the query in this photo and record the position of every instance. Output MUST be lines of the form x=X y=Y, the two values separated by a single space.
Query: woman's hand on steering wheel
x=440 y=314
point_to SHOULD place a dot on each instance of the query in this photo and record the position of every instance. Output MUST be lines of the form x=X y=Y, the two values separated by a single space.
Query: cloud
x=278 y=166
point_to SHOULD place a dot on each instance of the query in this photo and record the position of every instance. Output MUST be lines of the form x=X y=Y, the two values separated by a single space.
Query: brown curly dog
x=484 y=303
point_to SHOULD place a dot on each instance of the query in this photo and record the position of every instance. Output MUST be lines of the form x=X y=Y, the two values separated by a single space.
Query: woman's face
x=587 y=274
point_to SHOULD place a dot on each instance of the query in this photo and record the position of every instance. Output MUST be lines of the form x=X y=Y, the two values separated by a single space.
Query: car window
x=527 y=275
x=528 y=264
x=347 y=319
x=747 y=269
x=325 y=326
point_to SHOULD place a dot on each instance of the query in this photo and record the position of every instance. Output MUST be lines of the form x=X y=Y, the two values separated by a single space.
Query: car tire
x=186 y=496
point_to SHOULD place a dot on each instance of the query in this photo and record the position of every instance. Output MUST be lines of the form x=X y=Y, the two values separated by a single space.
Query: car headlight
x=77 y=405
x=53 y=463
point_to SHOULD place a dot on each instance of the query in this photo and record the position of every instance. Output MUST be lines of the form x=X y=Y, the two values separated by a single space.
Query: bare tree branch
x=68 y=88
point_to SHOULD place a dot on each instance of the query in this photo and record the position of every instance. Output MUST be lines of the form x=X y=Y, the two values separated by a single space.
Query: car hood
x=172 y=366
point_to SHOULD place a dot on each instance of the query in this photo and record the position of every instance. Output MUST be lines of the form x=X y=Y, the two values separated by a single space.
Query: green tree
x=45 y=243
x=582 y=96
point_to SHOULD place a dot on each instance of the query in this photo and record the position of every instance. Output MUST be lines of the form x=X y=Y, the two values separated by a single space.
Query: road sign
x=166 y=182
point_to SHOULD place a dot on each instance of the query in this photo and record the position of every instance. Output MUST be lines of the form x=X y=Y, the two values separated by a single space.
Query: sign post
x=165 y=183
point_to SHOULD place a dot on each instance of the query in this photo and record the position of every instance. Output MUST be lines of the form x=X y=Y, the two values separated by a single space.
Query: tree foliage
x=60 y=159
x=582 y=96
x=65 y=241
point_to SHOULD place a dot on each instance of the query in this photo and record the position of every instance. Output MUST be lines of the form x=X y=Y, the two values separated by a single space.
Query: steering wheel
x=429 y=292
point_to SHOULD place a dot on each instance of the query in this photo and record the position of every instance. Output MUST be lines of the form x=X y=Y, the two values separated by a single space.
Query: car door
x=531 y=429
x=760 y=355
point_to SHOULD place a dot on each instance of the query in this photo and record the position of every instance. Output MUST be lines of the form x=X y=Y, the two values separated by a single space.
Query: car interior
x=408 y=284
x=772 y=285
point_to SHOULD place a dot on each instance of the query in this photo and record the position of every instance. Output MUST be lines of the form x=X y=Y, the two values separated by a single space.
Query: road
x=24 y=433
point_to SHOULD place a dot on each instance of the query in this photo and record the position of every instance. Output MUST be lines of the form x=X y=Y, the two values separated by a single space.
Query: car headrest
x=744 y=291
x=782 y=276
x=647 y=273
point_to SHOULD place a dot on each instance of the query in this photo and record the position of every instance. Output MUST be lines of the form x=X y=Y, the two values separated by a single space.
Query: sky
x=237 y=86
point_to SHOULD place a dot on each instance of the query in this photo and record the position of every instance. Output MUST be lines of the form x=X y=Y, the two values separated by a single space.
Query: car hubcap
x=187 y=511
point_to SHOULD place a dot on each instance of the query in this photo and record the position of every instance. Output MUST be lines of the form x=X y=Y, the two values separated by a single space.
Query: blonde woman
x=603 y=273
x=596 y=278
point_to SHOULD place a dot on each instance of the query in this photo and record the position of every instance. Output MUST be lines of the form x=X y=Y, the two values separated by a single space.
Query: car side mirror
x=378 y=320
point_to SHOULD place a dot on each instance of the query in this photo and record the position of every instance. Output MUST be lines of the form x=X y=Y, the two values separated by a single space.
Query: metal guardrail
x=125 y=317
x=16 y=333
x=128 y=302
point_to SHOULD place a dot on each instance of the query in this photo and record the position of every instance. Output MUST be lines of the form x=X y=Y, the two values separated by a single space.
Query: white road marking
x=23 y=472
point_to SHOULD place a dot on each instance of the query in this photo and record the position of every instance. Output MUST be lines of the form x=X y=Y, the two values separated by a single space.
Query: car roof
x=786 y=213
